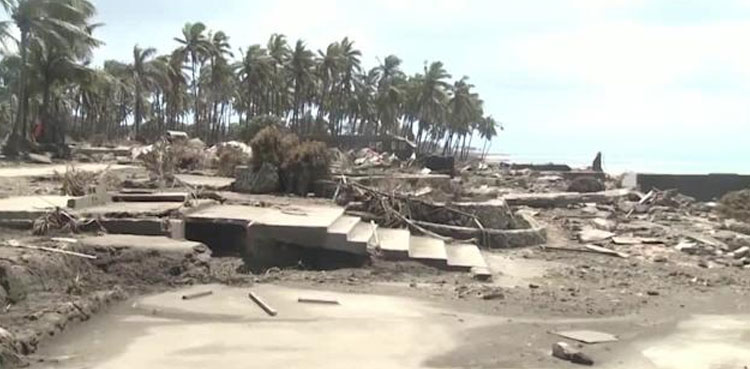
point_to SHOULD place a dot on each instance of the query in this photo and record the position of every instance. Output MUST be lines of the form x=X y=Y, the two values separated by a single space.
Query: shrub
x=306 y=163
x=267 y=147
x=586 y=184
x=736 y=204
x=229 y=158
x=257 y=124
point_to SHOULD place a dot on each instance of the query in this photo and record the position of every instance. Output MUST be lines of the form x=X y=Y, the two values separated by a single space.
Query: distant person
x=597 y=166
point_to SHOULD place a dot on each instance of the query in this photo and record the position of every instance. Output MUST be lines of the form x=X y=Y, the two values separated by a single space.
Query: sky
x=657 y=85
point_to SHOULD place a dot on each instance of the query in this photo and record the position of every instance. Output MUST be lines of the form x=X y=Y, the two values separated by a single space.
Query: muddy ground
x=43 y=293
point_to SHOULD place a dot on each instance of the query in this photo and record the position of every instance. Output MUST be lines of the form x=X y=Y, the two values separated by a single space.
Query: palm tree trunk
x=20 y=123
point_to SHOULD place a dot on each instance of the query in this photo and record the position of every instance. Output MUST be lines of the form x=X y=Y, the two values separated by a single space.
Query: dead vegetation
x=77 y=182
x=61 y=221
x=736 y=205
x=229 y=158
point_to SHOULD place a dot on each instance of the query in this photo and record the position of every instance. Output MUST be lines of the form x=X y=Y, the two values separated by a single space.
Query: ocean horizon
x=616 y=164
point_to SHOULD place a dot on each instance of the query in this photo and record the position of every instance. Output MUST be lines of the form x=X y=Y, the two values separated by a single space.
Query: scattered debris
x=587 y=336
x=317 y=301
x=562 y=350
x=606 y=251
x=258 y=301
x=196 y=295
x=594 y=235
x=41 y=159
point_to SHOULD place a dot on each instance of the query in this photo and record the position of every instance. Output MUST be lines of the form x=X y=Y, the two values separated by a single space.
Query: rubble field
x=625 y=261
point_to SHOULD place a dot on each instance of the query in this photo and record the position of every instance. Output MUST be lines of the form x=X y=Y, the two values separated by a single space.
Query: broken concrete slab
x=594 y=235
x=206 y=182
x=30 y=207
x=151 y=197
x=587 y=336
x=464 y=257
x=131 y=210
x=134 y=226
x=427 y=249
x=158 y=243
x=623 y=240
x=603 y=224
x=558 y=199
x=38 y=158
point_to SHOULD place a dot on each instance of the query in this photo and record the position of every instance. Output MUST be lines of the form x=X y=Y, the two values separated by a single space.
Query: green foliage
x=200 y=86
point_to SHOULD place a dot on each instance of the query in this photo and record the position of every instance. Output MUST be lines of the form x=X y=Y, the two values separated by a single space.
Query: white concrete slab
x=297 y=216
x=159 y=243
x=427 y=248
x=209 y=182
x=394 y=240
x=30 y=207
x=131 y=208
x=464 y=256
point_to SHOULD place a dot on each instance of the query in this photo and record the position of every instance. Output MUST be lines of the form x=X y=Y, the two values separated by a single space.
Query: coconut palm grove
x=49 y=88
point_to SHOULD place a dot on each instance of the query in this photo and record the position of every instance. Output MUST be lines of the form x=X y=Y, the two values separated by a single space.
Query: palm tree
x=56 y=24
x=144 y=72
x=301 y=79
x=390 y=93
x=254 y=73
x=431 y=99
x=195 y=47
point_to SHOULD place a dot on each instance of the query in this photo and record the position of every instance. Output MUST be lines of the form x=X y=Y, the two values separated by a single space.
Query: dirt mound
x=736 y=205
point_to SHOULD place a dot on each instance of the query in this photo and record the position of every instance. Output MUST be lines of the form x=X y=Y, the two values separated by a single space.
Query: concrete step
x=464 y=257
x=338 y=237
x=394 y=243
x=343 y=225
x=428 y=250
x=363 y=233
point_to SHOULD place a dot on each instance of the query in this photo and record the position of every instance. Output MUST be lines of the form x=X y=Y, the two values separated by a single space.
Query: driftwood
x=14 y=243
x=258 y=301
x=395 y=210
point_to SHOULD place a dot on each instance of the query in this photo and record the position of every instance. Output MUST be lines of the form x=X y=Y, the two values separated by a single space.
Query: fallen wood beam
x=589 y=249
x=196 y=295
x=47 y=249
x=317 y=301
x=258 y=301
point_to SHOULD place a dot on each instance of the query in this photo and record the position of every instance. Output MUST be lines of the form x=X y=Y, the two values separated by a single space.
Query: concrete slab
x=394 y=243
x=139 y=226
x=162 y=244
x=208 y=182
x=131 y=209
x=464 y=257
x=49 y=170
x=30 y=207
x=298 y=216
x=362 y=233
x=427 y=249
x=226 y=330
x=151 y=197
x=343 y=225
